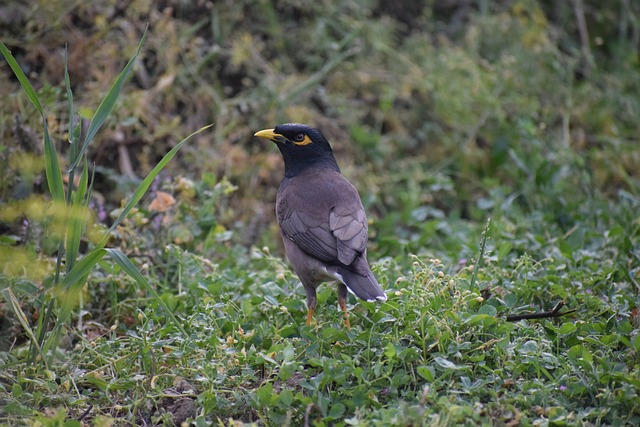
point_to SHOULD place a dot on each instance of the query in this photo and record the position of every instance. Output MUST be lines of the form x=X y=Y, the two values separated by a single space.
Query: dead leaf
x=162 y=202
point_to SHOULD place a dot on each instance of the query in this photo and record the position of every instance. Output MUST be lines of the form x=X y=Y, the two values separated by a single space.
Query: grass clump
x=66 y=219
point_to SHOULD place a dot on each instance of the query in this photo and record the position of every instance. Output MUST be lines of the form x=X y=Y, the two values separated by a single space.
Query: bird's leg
x=312 y=302
x=343 y=296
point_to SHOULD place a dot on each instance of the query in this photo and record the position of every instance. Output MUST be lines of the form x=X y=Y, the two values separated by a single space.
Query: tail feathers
x=364 y=287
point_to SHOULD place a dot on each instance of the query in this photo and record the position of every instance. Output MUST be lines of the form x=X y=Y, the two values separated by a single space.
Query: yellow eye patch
x=305 y=141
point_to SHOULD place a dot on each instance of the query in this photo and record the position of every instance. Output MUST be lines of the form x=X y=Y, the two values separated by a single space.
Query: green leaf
x=567 y=328
x=74 y=132
x=286 y=397
x=108 y=103
x=52 y=166
x=18 y=409
x=475 y=319
x=586 y=355
x=333 y=334
x=575 y=352
x=504 y=249
x=16 y=391
x=426 y=372
x=447 y=364
x=390 y=350
x=288 y=353
x=264 y=394
x=81 y=191
x=488 y=309
x=337 y=410
x=529 y=347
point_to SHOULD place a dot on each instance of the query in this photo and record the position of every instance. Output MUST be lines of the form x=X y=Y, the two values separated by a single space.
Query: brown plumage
x=321 y=218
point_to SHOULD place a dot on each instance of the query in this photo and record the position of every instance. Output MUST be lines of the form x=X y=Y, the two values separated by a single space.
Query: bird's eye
x=299 y=137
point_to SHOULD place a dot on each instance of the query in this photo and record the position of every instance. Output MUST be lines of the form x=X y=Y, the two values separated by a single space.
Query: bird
x=322 y=221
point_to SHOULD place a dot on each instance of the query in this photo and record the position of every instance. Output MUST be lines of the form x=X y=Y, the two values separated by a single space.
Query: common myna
x=321 y=218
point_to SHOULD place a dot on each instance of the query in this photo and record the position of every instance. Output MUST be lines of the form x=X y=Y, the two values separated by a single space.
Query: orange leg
x=310 y=316
x=312 y=302
x=342 y=302
x=343 y=307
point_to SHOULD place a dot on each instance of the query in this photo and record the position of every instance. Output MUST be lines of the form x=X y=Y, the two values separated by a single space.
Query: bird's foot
x=310 y=316
x=343 y=306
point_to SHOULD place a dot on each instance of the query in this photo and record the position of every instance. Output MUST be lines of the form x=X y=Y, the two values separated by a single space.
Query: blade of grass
x=107 y=104
x=22 y=78
x=52 y=166
x=73 y=282
x=41 y=330
x=73 y=135
x=81 y=269
x=123 y=261
x=79 y=197
x=22 y=318
x=52 y=169
x=146 y=183
x=77 y=221
x=91 y=181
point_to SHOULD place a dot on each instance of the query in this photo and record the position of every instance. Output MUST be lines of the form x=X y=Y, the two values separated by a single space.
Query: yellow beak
x=268 y=133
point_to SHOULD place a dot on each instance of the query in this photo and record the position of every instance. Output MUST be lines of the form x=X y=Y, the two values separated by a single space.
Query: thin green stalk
x=480 y=260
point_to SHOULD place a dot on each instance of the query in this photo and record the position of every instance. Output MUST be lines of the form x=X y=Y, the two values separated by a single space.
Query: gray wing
x=325 y=220
x=348 y=224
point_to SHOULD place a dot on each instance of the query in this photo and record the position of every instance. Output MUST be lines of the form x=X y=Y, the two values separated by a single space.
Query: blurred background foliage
x=442 y=112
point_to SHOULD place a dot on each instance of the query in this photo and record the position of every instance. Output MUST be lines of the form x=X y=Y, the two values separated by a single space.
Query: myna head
x=301 y=146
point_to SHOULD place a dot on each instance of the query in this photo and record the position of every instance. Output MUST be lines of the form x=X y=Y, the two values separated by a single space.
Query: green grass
x=435 y=351
x=439 y=351
x=117 y=312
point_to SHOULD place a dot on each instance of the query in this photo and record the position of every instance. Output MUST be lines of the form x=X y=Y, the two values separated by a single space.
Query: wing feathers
x=322 y=213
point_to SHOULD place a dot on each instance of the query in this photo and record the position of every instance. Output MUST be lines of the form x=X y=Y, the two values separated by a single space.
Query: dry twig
x=555 y=312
